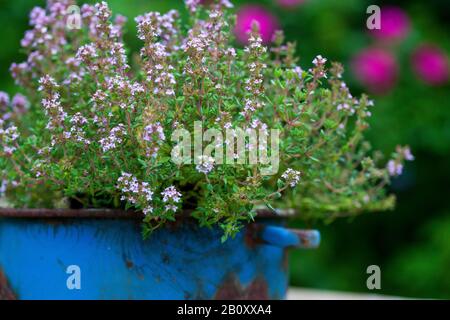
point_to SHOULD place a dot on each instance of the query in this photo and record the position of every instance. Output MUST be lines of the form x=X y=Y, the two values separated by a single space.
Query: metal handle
x=284 y=237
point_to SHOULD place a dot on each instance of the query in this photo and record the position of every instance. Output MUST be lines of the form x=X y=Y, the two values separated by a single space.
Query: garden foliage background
x=406 y=71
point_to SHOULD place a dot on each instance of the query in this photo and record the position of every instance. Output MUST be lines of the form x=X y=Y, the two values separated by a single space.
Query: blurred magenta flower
x=290 y=3
x=268 y=23
x=431 y=64
x=395 y=24
x=376 y=69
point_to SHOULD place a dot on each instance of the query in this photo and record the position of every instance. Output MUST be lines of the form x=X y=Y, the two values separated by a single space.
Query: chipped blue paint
x=284 y=237
x=182 y=262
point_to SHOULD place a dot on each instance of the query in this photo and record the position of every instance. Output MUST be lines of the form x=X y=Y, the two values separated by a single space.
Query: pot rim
x=112 y=213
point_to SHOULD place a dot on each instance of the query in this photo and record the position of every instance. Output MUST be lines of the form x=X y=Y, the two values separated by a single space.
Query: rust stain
x=232 y=289
x=251 y=237
x=6 y=292
x=127 y=261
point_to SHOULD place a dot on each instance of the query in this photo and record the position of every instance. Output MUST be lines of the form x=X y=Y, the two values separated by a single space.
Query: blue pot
x=100 y=254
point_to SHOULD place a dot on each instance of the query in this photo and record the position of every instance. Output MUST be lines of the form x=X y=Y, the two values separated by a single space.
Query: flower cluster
x=171 y=198
x=16 y=107
x=153 y=135
x=135 y=192
x=52 y=104
x=395 y=166
x=159 y=77
x=255 y=83
x=291 y=176
x=205 y=164
x=114 y=138
x=8 y=138
x=76 y=131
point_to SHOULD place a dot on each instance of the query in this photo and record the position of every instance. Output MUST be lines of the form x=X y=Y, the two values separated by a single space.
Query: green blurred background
x=411 y=244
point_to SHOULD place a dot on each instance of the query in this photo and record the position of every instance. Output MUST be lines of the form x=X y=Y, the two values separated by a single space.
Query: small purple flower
x=4 y=100
x=135 y=191
x=8 y=138
x=394 y=168
x=205 y=164
x=171 y=197
x=192 y=5
x=395 y=24
x=319 y=60
x=267 y=22
x=376 y=69
x=86 y=53
x=431 y=64
x=28 y=39
x=292 y=177
x=171 y=194
x=114 y=138
x=407 y=154
x=20 y=103
x=154 y=135
x=38 y=17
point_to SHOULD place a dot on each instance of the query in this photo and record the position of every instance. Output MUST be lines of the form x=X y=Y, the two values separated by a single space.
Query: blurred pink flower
x=376 y=69
x=431 y=64
x=395 y=24
x=290 y=3
x=268 y=23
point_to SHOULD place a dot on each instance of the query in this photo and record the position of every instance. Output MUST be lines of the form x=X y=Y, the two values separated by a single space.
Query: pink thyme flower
x=268 y=23
x=20 y=103
x=135 y=192
x=38 y=17
x=291 y=176
x=153 y=134
x=7 y=139
x=394 y=168
x=171 y=194
x=205 y=164
x=407 y=154
x=4 y=101
x=171 y=197
x=395 y=24
x=114 y=138
x=376 y=69
x=319 y=60
x=431 y=64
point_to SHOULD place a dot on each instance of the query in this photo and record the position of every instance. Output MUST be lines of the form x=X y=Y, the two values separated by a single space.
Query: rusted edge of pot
x=111 y=213
x=6 y=292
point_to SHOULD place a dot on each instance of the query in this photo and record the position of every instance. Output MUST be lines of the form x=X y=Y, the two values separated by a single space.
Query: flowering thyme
x=8 y=138
x=254 y=85
x=205 y=164
x=153 y=135
x=171 y=198
x=52 y=105
x=135 y=192
x=76 y=132
x=20 y=104
x=90 y=117
x=291 y=176
x=114 y=138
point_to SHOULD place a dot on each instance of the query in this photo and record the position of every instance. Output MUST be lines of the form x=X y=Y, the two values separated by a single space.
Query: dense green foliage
x=96 y=130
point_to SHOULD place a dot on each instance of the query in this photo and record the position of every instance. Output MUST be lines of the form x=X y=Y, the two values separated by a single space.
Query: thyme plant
x=93 y=127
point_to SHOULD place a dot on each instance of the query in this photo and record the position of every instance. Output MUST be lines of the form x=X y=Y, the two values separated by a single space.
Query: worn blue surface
x=182 y=262
x=283 y=237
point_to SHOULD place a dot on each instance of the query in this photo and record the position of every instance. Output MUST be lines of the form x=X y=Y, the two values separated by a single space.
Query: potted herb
x=193 y=141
